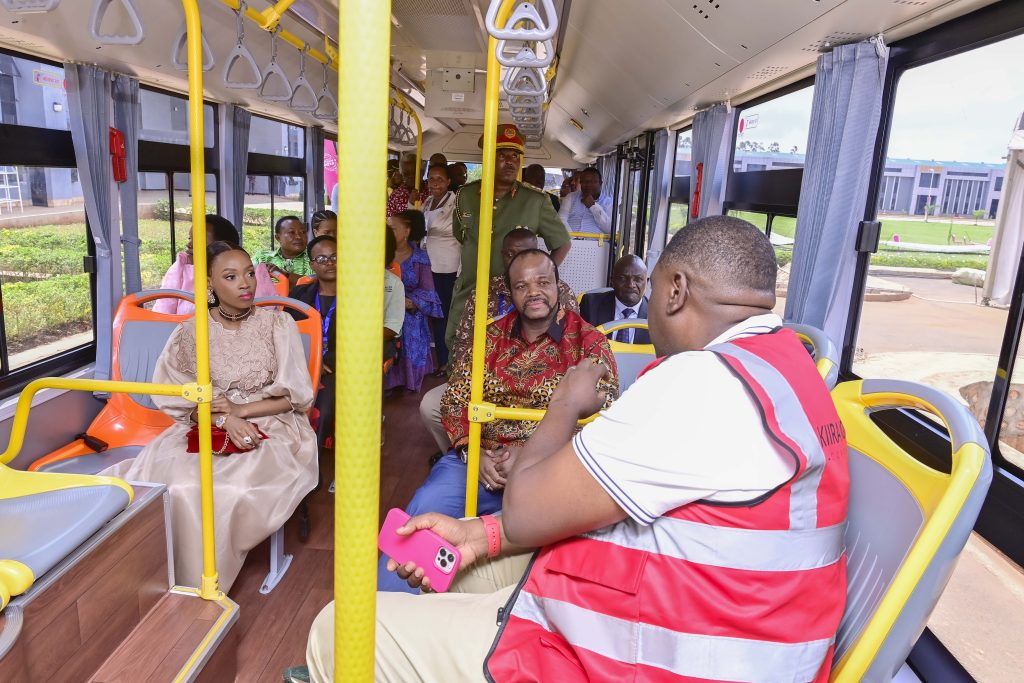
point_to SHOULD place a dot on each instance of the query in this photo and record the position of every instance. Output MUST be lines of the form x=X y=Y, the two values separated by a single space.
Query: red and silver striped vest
x=708 y=592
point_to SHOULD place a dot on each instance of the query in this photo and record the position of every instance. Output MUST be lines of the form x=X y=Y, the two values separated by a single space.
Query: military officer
x=515 y=205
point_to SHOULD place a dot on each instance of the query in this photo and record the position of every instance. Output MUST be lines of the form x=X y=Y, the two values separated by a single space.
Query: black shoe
x=435 y=457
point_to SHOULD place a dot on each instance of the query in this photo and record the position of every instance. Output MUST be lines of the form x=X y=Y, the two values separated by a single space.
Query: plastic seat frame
x=888 y=607
x=124 y=422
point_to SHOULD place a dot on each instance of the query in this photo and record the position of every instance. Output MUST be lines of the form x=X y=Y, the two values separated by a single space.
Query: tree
x=930 y=210
x=774 y=147
x=686 y=142
x=978 y=215
x=793 y=150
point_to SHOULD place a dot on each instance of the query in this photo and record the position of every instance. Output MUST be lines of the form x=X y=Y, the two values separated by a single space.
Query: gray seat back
x=820 y=346
x=138 y=348
x=885 y=517
x=630 y=365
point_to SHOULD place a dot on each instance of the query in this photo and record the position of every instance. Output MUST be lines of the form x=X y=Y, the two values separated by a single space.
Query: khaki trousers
x=430 y=413
x=436 y=637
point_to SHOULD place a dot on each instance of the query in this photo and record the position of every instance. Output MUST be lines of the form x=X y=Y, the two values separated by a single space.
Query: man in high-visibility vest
x=694 y=531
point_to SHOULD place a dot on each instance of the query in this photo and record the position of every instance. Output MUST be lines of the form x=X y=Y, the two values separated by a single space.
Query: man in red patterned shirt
x=526 y=353
x=402 y=197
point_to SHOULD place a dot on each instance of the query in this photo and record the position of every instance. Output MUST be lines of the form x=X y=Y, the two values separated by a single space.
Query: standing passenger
x=515 y=205
x=444 y=250
x=586 y=209
x=421 y=303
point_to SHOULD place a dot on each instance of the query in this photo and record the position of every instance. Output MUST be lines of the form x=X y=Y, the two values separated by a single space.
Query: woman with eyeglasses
x=321 y=294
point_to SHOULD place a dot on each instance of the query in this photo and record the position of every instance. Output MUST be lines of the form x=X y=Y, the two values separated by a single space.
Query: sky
x=962 y=108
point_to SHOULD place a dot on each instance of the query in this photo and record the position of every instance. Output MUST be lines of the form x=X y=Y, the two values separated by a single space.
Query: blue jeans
x=444 y=491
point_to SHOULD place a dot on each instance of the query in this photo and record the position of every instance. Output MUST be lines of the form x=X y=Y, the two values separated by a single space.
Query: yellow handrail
x=401 y=103
x=365 y=37
x=209 y=589
x=483 y=255
x=270 y=19
x=21 y=412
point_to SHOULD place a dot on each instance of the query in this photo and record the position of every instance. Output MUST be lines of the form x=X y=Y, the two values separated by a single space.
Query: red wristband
x=493 y=531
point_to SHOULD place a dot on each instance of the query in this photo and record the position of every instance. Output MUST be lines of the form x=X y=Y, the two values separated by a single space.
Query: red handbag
x=219 y=440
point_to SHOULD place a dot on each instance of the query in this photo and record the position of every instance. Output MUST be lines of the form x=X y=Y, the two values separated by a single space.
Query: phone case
x=438 y=558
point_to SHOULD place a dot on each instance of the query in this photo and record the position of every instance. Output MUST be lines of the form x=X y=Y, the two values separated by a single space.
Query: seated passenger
x=324 y=223
x=181 y=274
x=261 y=386
x=526 y=353
x=682 y=535
x=586 y=209
x=625 y=301
x=394 y=299
x=499 y=302
x=289 y=260
x=421 y=303
x=321 y=295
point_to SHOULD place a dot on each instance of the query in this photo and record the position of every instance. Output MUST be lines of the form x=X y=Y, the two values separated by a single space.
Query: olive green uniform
x=523 y=206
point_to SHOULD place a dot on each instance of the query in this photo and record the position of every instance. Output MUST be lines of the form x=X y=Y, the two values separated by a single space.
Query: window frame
x=47 y=148
x=758 y=191
x=1002 y=516
x=679 y=193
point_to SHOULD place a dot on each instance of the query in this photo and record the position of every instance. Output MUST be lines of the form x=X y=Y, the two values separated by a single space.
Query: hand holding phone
x=438 y=558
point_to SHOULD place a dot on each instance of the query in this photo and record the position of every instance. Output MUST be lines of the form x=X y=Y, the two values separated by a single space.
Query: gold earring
x=209 y=296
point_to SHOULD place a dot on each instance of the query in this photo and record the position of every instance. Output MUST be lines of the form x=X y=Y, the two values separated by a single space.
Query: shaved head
x=713 y=274
x=725 y=252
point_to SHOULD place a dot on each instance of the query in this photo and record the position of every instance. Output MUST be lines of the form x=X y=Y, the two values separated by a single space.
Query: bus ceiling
x=622 y=68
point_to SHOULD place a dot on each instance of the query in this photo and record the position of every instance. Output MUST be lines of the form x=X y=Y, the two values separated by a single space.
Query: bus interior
x=688 y=108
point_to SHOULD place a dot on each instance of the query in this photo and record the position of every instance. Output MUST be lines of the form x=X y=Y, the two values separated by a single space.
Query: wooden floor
x=273 y=628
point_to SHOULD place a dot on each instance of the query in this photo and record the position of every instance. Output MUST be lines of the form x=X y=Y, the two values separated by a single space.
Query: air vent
x=705 y=10
x=833 y=39
x=911 y=3
x=768 y=73
x=414 y=8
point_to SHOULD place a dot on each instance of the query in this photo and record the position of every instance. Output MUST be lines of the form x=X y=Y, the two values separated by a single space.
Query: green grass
x=933 y=232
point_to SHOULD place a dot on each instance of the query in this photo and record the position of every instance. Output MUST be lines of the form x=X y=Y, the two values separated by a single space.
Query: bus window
x=268 y=198
x=32 y=93
x=921 y=318
x=679 y=205
x=46 y=295
x=165 y=118
x=773 y=135
x=275 y=138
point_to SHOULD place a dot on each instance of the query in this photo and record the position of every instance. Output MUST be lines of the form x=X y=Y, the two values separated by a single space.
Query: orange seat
x=281 y=285
x=396 y=268
x=128 y=421
x=305 y=280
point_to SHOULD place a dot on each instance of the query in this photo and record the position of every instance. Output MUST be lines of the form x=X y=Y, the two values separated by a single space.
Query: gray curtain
x=607 y=166
x=314 y=171
x=127 y=115
x=664 y=156
x=712 y=146
x=234 y=135
x=844 y=125
x=89 y=99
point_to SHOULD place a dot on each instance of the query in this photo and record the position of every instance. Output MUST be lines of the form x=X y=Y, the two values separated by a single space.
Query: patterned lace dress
x=254 y=492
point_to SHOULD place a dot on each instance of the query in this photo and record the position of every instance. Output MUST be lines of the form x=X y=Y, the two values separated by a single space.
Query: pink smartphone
x=438 y=558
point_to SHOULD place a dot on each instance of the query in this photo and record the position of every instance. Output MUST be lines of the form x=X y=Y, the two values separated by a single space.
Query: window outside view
x=925 y=316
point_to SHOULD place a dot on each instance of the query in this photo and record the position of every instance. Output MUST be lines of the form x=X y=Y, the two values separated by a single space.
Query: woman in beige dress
x=260 y=383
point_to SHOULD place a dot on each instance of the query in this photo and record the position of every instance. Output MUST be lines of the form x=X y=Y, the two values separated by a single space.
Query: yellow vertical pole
x=364 y=40
x=208 y=589
x=483 y=255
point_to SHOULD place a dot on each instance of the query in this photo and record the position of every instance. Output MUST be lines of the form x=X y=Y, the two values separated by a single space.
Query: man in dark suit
x=626 y=300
